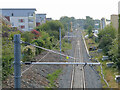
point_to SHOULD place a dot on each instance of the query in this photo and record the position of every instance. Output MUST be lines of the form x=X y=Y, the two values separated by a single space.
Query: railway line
x=78 y=74
x=78 y=78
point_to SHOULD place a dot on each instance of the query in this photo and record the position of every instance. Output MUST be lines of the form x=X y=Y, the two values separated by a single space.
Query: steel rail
x=73 y=71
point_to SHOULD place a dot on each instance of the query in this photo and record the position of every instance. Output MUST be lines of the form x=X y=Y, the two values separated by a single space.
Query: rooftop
x=18 y=9
x=41 y=14
x=114 y=15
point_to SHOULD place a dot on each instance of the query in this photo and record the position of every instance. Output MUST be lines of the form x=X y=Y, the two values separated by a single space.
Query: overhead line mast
x=71 y=26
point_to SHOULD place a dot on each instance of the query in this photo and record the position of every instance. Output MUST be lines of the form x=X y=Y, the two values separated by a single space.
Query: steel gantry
x=17 y=60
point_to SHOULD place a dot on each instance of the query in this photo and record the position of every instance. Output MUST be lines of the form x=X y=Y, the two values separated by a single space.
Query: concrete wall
x=114 y=20
x=15 y=21
x=40 y=18
x=103 y=23
x=26 y=14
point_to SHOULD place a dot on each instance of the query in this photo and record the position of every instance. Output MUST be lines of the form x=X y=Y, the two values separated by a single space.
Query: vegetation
x=106 y=37
x=109 y=73
x=45 y=35
x=7 y=50
x=108 y=42
x=52 y=27
x=66 y=22
x=44 y=41
x=52 y=77
x=89 y=24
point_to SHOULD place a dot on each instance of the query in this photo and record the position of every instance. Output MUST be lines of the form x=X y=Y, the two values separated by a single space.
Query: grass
x=64 y=46
x=52 y=77
x=109 y=73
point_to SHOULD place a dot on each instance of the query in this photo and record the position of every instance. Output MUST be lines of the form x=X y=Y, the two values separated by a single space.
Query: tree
x=8 y=49
x=89 y=30
x=106 y=37
x=27 y=36
x=36 y=33
x=66 y=22
x=89 y=22
x=52 y=27
x=44 y=41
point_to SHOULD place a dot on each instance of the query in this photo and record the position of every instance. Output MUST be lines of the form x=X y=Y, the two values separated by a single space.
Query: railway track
x=78 y=74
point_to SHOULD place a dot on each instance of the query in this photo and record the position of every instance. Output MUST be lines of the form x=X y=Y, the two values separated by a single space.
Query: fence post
x=17 y=58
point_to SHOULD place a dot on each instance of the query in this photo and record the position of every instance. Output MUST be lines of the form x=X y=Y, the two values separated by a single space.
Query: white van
x=105 y=58
x=117 y=78
x=109 y=64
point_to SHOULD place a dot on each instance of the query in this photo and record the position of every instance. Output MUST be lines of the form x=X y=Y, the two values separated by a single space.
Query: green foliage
x=49 y=35
x=7 y=59
x=66 y=22
x=65 y=45
x=89 y=30
x=28 y=53
x=89 y=23
x=44 y=41
x=52 y=27
x=52 y=77
x=7 y=50
x=109 y=43
x=113 y=53
x=106 y=37
x=27 y=36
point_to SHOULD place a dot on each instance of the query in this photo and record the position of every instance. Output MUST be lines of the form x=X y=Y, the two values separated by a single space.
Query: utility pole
x=17 y=64
x=60 y=40
x=68 y=32
x=119 y=38
x=71 y=26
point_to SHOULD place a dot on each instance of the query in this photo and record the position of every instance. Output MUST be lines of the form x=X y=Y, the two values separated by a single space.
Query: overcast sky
x=76 y=8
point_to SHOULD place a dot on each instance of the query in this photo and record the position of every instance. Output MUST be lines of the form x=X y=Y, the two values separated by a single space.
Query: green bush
x=106 y=37
x=52 y=77
x=28 y=53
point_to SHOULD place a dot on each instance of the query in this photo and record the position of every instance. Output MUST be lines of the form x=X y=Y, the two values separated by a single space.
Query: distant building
x=49 y=19
x=23 y=18
x=40 y=19
x=108 y=22
x=114 y=21
x=104 y=22
x=96 y=24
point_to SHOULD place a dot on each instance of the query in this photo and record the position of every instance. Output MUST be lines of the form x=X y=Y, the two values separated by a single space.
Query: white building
x=23 y=18
x=114 y=21
x=40 y=19
x=104 y=22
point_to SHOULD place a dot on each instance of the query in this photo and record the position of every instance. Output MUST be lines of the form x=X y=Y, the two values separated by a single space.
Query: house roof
x=18 y=9
x=41 y=14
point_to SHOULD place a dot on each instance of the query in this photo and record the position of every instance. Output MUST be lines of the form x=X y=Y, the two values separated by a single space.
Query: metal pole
x=17 y=57
x=60 y=38
x=61 y=63
x=119 y=37
x=68 y=33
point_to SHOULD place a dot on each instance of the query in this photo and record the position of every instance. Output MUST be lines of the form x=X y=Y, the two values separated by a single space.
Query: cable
x=97 y=61
x=103 y=76
x=95 y=71
x=39 y=60
x=47 y=49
